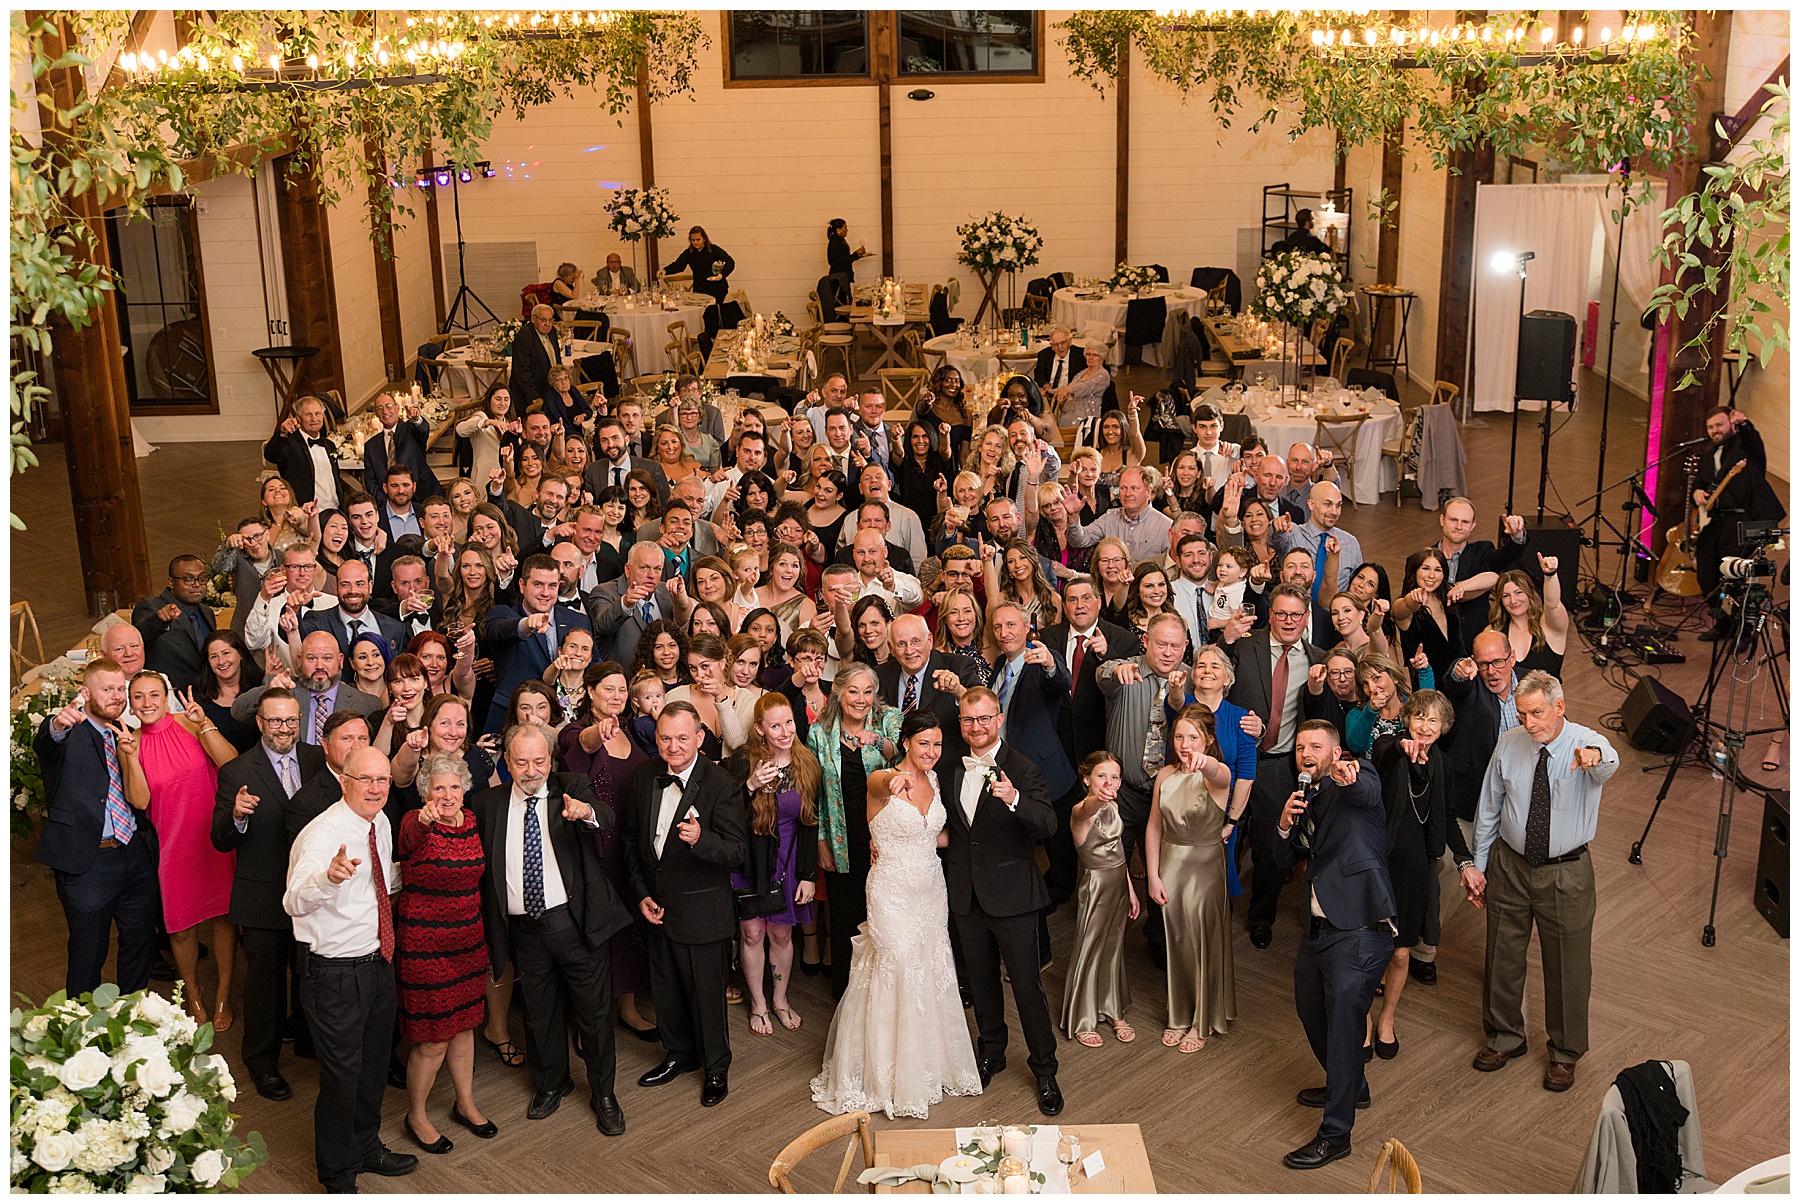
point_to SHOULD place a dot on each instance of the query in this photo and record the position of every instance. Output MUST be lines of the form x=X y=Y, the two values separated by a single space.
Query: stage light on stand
x=465 y=175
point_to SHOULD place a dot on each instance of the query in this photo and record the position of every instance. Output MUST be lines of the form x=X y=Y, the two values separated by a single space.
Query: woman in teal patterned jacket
x=858 y=735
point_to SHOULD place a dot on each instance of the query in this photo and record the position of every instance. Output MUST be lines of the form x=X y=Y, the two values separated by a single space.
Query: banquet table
x=1234 y=346
x=888 y=330
x=473 y=381
x=1282 y=427
x=982 y=360
x=781 y=365
x=1072 y=307
x=1127 y=1169
x=648 y=323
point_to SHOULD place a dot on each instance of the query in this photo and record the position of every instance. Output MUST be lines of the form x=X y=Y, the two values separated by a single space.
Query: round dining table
x=1075 y=307
x=1283 y=426
x=979 y=360
x=648 y=323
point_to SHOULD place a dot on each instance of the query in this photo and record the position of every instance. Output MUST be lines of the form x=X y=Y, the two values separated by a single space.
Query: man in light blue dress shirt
x=1325 y=505
x=1540 y=806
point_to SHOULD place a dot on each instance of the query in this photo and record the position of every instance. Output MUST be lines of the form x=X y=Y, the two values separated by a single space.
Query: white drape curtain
x=1643 y=231
x=1561 y=223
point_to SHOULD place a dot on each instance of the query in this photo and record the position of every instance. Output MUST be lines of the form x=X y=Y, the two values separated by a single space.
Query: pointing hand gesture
x=689 y=828
x=341 y=867
x=1548 y=564
x=576 y=810
x=244 y=805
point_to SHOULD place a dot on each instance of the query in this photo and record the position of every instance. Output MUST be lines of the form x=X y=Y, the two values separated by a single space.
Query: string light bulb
x=1646 y=31
x=1605 y=34
x=1547 y=34
x=1575 y=35
x=237 y=63
x=1318 y=37
x=1368 y=37
x=275 y=63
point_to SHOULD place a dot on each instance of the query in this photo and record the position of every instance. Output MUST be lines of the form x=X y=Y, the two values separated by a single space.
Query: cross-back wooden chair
x=853 y=1125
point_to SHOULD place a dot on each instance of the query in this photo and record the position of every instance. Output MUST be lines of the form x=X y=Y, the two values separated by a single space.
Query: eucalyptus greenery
x=1734 y=230
x=405 y=83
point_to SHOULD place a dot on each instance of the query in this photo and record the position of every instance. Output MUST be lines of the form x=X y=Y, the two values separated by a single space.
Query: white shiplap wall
x=359 y=313
x=1422 y=190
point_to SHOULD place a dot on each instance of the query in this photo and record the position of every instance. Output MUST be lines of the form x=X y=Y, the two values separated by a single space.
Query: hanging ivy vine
x=413 y=83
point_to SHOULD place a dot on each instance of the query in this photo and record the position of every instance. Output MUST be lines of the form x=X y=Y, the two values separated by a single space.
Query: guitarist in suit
x=524 y=642
x=1730 y=497
x=1340 y=824
x=999 y=808
x=547 y=908
x=685 y=833
x=250 y=818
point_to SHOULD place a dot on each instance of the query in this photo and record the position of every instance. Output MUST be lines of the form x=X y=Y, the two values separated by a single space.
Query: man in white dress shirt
x=901 y=590
x=340 y=880
x=1215 y=456
x=615 y=276
x=291 y=587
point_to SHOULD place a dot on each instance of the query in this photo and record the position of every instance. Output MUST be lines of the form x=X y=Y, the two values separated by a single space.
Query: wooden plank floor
x=1216 y=1121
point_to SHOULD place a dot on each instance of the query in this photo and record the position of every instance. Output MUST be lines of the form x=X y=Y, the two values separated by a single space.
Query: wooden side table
x=1402 y=300
x=283 y=366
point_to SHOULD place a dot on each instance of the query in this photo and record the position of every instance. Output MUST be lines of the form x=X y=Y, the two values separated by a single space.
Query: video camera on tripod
x=1745 y=581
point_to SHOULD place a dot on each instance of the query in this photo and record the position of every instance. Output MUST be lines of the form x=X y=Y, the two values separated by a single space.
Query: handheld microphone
x=1306 y=781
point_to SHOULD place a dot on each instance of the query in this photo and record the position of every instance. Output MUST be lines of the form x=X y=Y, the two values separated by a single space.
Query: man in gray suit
x=620 y=609
x=615 y=275
x=321 y=691
x=613 y=460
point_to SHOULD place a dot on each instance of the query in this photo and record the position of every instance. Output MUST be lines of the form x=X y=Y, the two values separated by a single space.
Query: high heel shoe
x=810 y=969
x=443 y=1145
x=650 y=1035
x=486 y=1128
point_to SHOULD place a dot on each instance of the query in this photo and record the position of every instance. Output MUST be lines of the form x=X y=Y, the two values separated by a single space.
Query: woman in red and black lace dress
x=442 y=958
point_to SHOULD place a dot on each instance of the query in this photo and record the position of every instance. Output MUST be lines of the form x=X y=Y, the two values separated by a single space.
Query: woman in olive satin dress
x=1184 y=854
x=1095 y=988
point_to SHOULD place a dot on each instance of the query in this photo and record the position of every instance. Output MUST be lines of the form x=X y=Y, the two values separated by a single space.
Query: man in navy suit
x=1336 y=820
x=102 y=849
x=401 y=440
x=1032 y=684
x=353 y=615
x=525 y=641
x=303 y=456
x=176 y=623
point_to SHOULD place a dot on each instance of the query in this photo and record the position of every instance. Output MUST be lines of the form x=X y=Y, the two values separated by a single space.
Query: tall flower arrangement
x=635 y=214
x=1295 y=288
x=999 y=242
x=31 y=798
x=116 y=1093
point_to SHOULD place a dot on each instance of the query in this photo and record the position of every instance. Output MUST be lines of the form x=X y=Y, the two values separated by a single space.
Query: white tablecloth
x=471 y=383
x=979 y=362
x=649 y=326
x=1068 y=309
x=1282 y=428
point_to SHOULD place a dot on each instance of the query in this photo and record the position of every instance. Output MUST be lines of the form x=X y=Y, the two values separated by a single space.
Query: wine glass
x=1068 y=1152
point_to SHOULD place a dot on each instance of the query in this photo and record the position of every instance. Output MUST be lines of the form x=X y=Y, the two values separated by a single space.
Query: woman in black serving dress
x=1415 y=781
x=840 y=260
x=1427 y=614
x=711 y=265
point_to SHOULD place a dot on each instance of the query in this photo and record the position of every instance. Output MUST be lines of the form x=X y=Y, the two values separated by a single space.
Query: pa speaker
x=1656 y=719
x=1553 y=535
x=1547 y=357
x=1772 y=863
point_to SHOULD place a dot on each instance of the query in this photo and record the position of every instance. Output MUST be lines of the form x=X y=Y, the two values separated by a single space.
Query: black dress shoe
x=272 y=1086
x=715 y=1091
x=1387 y=1051
x=341 y=1191
x=987 y=1068
x=546 y=1102
x=1261 y=935
x=1712 y=635
x=397 y=1075
x=1425 y=972
x=486 y=1128
x=666 y=1071
x=1368 y=1054
x=1050 y=1100
x=968 y=1000
x=1314 y=1154
x=1314 y=1097
x=386 y=1162
x=608 y=1116
x=650 y=1034
x=443 y=1145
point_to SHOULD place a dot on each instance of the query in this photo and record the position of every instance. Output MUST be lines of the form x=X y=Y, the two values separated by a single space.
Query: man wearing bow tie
x=999 y=808
x=685 y=837
x=548 y=908
x=302 y=455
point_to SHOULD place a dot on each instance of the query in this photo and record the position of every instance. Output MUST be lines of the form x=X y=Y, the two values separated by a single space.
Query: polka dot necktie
x=1537 y=820
x=534 y=861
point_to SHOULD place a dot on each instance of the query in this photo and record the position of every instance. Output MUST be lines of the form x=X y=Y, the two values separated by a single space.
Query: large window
x=822 y=45
x=937 y=42
x=162 y=309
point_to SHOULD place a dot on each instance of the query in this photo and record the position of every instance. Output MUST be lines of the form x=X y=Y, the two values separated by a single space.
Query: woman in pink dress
x=176 y=772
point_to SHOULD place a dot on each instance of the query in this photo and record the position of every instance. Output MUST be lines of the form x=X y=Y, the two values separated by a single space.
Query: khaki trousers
x=1559 y=899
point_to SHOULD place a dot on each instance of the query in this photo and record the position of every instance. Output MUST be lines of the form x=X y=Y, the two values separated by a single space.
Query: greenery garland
x=406 y=84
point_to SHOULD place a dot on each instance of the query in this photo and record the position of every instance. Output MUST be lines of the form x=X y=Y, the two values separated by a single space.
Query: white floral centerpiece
x=661 y=395
x=31 y=798
x=505 y=330
x=999 y=242
x=116 y=1093
x=1295 y=288
x=780 y=326
x=635 y=214
x=1128 y=279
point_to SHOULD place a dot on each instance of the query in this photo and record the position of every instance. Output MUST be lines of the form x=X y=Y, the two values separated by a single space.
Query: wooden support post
x=647 y=160
x=1122 y=143
x=387 y=284
x=312 y=294
x=90 y=385
x=881 y=40
x=1456 y=285
x=1387 y=233
x=1677 y=415
x=435 y=233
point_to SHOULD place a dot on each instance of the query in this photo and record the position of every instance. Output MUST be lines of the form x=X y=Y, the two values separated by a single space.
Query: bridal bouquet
x=116 y=1093
x=1294 y=287
x=998 y=242
x=639 y=213
x=1127 y=279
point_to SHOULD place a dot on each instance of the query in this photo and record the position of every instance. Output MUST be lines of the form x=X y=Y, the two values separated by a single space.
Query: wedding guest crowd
x=608 y=720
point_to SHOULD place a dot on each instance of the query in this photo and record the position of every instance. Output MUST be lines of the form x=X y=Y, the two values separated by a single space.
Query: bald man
x=124 y=643
x=901 y=590
x=1266 y=478
x=321 y=690
x=1325 y=503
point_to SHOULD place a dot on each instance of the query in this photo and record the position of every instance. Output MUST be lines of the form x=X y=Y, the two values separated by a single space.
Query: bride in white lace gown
x=899 y=1042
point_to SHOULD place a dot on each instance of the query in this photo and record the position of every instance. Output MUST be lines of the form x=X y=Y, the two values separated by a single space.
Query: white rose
x=154 y=1008
x=55 y=1151
x=208 y=1168
x=145 y=1185
x=158 y=1159
x=156 y=1076
x=85 y=1069
x=37 y=1026
x=181 y=1113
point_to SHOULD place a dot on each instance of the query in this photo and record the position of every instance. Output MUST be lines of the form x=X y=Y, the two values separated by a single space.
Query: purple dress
x=611 y=777
x=787 y=825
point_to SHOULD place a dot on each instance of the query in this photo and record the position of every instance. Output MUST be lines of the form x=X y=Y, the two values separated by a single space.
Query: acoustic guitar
x=1675 y=573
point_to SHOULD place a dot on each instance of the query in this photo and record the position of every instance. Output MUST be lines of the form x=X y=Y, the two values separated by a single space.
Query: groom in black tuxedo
x=684 y=836
x=999 y=808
